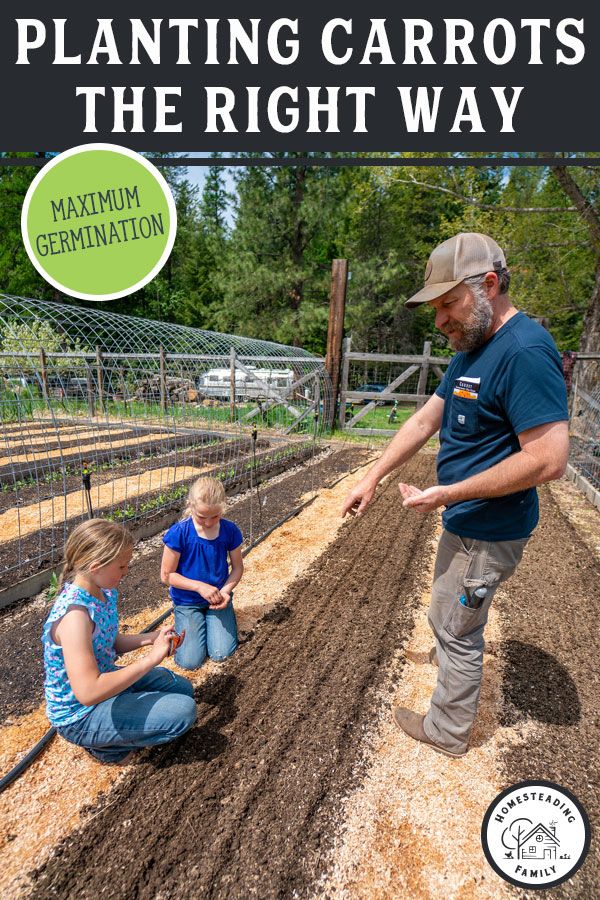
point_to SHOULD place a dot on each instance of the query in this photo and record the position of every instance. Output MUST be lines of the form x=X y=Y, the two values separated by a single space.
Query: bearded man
x=501 y=412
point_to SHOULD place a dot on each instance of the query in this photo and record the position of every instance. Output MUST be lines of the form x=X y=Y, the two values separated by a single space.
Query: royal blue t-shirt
x=512 y=383
x=200 y=558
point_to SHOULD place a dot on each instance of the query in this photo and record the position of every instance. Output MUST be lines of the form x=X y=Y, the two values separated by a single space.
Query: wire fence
x=585 y=424
x=141 y=409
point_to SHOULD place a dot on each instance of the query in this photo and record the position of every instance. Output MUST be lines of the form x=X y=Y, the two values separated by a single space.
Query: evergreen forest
x=253 y=251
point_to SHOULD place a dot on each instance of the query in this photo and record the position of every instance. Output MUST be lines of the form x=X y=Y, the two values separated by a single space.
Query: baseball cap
x=461 y=256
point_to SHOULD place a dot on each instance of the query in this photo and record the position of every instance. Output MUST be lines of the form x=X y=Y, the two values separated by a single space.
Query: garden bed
x=58 y=481
x=42 y=545
x=251 y=802
x=112 y=444
x=21 y=664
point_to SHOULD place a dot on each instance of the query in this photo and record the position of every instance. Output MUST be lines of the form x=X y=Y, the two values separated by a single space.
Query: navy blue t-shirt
x=512 y=383
x=201 y=558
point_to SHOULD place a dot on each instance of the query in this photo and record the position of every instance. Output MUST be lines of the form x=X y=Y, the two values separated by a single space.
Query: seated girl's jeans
x=208 y=632
x=158 y=708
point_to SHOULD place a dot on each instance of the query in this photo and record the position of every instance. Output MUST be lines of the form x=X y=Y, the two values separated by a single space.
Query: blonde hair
x=95 y=542
x=209 y=491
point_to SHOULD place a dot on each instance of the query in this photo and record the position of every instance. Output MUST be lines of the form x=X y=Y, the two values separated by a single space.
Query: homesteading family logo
x=535 y=834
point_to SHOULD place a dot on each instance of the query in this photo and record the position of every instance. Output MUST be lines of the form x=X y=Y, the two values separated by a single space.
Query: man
x=501 y=411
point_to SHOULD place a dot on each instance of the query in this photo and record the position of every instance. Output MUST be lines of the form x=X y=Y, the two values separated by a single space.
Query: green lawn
x=378 y=417
x=15 y=408
x=22 y=408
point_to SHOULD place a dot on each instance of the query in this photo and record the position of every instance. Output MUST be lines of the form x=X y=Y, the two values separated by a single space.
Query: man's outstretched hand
x=424 y=501
x=358 y=499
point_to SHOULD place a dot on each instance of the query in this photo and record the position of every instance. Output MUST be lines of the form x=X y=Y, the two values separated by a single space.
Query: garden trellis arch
x=146 y=407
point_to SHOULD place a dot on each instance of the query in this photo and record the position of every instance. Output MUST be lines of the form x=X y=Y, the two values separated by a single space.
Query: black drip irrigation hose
x=37 y=749
x=86 y=481
x=27 y=760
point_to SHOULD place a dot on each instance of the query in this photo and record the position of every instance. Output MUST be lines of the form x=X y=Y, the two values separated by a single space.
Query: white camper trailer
x=216 y=383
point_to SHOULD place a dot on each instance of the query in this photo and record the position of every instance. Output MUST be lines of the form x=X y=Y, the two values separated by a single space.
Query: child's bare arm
x=125 y=643
x=234 y=578
x=169 y=575
x=237 y=570
x=74 y=634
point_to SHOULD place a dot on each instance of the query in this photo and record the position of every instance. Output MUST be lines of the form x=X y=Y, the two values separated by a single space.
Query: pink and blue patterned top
x=62 y=706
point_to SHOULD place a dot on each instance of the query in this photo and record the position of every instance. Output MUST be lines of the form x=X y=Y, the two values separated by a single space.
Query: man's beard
x=474 y=332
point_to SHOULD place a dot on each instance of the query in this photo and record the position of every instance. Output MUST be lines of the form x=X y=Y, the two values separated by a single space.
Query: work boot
x=412 y=724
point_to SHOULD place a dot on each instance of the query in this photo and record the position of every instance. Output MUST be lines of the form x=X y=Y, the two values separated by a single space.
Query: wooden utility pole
x=335 y=331
x=163 y=379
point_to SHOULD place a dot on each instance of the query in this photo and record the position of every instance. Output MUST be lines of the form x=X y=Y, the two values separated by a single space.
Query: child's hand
x=226 y=598
x=210 y=593
x=162 y=644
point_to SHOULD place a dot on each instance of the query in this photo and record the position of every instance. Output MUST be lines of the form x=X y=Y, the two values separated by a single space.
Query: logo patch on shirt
x=467 y=387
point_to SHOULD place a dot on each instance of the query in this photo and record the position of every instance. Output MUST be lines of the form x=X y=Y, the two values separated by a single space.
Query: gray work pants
x=462 y=565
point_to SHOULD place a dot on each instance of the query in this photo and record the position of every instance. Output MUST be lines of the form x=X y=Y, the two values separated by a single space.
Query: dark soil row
x=245 y=805
x=550 y=626
x=21 y=663
x=26 y=555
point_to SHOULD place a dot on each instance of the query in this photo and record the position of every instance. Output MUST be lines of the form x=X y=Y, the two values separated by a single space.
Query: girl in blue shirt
x=195 y=566
x=108 y=710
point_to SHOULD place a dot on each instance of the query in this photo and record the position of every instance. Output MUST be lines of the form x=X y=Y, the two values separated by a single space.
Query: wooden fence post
x=44 y=374
x=232 y=357
x=100 y=378
x=163 y=379
x=335 y=331
x=90 y=389
x=422 y=386
x=344 y=381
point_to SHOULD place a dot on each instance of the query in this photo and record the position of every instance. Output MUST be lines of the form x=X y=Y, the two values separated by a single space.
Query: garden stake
x=86 y=479
x=252 y=470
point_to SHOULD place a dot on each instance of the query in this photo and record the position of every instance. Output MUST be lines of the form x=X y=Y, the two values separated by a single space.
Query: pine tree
x=17 y=274
x=275 y=278
x=214 y=205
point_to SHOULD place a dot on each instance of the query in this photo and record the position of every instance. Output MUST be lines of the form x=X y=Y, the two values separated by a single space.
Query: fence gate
x=309 y=383
x=379 y=375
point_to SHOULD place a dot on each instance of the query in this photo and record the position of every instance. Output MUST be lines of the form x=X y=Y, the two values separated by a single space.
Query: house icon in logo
x=530 y=841
x=539 y=843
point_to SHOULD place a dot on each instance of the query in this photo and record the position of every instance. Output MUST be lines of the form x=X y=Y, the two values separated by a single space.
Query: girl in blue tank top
x=107 y=709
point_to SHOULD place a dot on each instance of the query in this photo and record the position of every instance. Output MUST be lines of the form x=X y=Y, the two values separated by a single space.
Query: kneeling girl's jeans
x=208 y=632
x=158 y=708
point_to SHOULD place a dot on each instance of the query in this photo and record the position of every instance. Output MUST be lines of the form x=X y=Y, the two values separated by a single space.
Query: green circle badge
x=98 y=222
